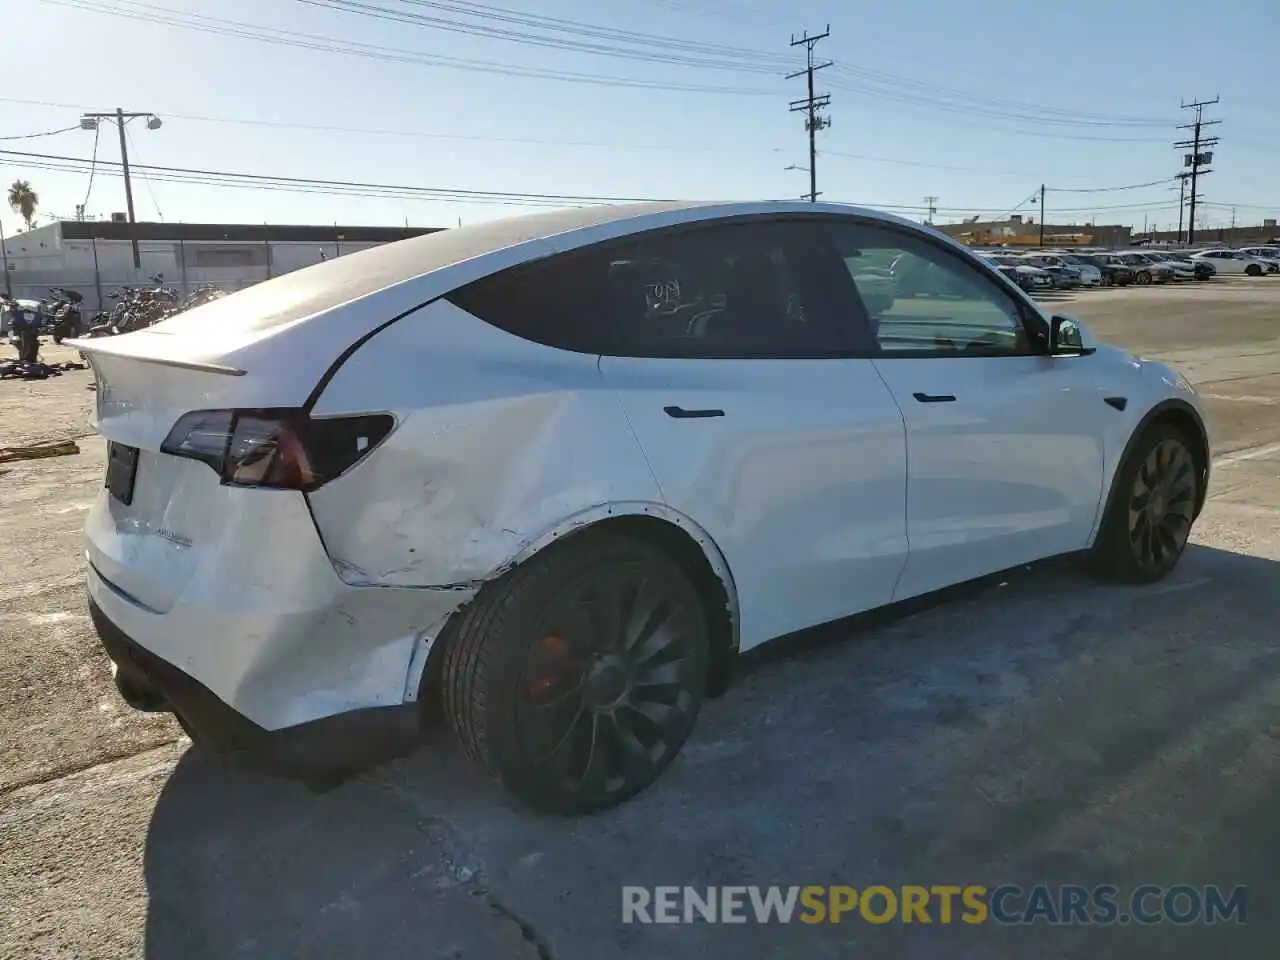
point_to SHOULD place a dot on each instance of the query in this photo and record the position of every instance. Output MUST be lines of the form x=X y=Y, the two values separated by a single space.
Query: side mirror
x=1068 y=337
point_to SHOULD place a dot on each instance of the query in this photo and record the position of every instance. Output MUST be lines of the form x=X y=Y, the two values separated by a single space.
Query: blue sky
x=976 y=102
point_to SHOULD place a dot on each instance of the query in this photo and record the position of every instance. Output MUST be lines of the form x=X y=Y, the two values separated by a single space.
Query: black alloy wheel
x=592 y=671
x=1149 y=518
x=605 y=696
x=1162 y=504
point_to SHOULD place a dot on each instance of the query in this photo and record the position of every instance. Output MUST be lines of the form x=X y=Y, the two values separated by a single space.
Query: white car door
x=1226 y=261
x=735 y=377
x=1004 y=443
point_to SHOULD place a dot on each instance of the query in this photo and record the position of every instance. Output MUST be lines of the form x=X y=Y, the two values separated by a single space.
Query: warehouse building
x=1019 y=231
x=95 y=257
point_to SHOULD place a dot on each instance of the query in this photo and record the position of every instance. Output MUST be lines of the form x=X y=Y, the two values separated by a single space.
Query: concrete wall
x=1227 y=236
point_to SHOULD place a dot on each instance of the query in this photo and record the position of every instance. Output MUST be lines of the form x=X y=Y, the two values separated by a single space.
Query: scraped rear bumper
x=328 y=749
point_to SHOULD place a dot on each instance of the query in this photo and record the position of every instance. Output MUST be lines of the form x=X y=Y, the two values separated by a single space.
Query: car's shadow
x=1035 y=728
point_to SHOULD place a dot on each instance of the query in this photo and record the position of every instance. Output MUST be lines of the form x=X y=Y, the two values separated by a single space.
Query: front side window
x=922 y=299
x=724 y=290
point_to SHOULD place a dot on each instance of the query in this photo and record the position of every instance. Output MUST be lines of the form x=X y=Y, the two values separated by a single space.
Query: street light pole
x=89 y=121
x=4 y=245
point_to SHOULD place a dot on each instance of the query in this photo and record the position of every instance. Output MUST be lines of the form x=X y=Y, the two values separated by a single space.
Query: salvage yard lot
x=1043 y=728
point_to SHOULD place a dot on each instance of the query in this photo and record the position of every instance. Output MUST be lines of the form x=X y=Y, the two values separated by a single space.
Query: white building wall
x=40 y=259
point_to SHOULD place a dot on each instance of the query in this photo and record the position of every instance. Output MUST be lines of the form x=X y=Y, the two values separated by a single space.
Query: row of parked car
x=1068 y=269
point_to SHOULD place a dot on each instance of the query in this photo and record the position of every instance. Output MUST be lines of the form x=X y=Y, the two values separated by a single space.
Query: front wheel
x=1149 y=518
x=577 y=678
x=1144 y=278
x=1253 y=270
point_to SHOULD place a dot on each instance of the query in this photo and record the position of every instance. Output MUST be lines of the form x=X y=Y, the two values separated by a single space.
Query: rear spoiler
x=103 y=346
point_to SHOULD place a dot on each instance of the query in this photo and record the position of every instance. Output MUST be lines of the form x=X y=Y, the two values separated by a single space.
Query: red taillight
x=276 y=447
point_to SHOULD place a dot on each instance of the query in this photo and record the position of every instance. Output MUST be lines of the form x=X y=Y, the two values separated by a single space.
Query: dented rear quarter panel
x=499 y=444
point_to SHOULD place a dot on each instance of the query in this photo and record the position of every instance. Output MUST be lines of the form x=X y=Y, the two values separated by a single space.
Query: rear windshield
x=323 y=286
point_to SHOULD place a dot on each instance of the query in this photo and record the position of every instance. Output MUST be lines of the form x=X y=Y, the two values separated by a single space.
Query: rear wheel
x=1253 y=270
x=1144 y=278
x=577 y=678
x=1147 y=524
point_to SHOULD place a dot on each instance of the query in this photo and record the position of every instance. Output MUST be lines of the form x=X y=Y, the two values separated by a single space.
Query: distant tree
x=23 y=200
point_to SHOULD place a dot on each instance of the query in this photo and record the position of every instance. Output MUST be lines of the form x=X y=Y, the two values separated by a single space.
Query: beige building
x=1019 y=231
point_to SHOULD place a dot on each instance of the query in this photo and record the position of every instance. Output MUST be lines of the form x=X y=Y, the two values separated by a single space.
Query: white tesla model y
x=549 y=475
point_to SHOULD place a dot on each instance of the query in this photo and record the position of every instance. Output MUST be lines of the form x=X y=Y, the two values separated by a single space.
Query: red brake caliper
x=554 y=649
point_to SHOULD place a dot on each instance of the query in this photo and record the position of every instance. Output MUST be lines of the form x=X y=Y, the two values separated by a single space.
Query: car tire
x=1151 y=509
x=577 y=677
x=1253 y=270
x=1143 y=279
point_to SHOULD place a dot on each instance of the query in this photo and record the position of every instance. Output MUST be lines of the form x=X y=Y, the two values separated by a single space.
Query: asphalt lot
x=1040 y=729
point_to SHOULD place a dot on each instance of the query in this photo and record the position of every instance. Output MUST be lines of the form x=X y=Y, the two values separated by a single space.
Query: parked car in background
x=1065 y=275
x=1200 y=269
x=1268 y=254
x=1113 y=273
x=1182 y=269
x=1144 y=271
x=551 y=474
x=1235 y=262
x=1027 y=276
x=1090 y=272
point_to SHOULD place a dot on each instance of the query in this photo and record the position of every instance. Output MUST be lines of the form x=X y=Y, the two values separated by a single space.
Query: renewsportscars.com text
x=1067 y=904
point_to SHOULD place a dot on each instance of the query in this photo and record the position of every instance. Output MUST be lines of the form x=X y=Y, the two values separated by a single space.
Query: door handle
x=680 y=413
x=934 y=397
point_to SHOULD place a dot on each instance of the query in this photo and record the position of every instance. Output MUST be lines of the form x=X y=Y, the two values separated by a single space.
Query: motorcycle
x=23 y=320
x=137 y=308
x=65 y=321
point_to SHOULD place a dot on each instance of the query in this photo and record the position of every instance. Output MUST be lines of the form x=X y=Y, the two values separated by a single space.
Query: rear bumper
x=332 y=747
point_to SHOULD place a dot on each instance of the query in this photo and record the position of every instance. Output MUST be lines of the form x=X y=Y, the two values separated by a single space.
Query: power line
x=304 y=41
x=589 y=43
x=268 y=180
x=1129 y=186
x=145 y=179
x=93 y=165
x=232 y=180
x=46 y=133
x=587 y=38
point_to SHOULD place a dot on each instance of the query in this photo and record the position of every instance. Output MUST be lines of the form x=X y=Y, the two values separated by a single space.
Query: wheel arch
x=679 y=537
x=1181 y=415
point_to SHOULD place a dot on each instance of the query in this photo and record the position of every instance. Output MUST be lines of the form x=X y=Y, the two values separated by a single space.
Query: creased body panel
x=498 y=441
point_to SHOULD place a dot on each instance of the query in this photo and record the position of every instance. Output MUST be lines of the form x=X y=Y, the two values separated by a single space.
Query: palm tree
x=23 y=200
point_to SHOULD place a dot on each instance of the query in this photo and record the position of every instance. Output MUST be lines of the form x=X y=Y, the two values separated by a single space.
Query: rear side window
x=752 y=289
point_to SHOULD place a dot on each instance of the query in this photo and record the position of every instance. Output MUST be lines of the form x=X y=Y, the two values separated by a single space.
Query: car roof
x=456 y=256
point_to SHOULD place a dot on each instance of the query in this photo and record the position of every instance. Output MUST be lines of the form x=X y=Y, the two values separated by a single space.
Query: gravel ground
x=1039 y=729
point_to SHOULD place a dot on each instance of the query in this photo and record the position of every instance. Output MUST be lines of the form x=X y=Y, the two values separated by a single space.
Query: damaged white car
x=549 y=475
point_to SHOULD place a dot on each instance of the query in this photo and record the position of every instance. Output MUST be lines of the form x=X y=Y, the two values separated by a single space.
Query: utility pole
x=811 y=104
x=90 y=121
x=1198 y=157
x=1042 y=214
x=931 y=203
